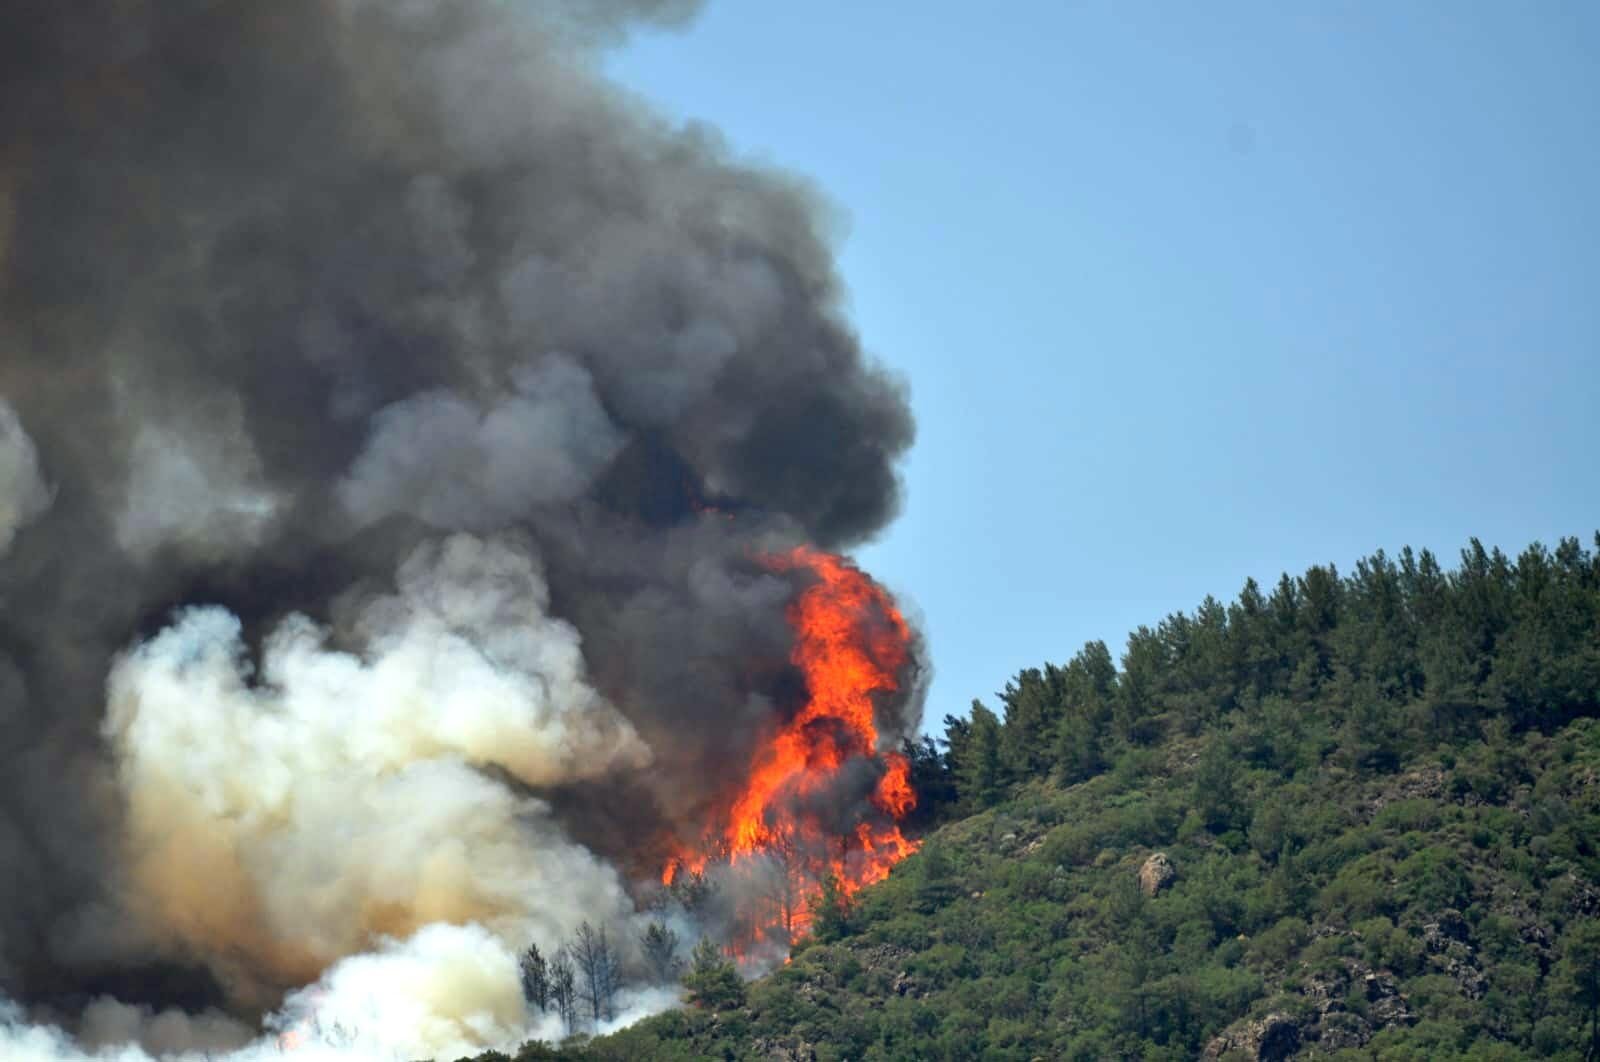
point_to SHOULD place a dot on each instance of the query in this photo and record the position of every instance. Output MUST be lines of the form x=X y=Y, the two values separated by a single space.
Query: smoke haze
x=393 y=416
x=23 y=494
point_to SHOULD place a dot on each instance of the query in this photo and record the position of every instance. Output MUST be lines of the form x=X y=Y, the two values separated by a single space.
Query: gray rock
x=1340 y=1030
x=1449 y=927
x=1156 y=874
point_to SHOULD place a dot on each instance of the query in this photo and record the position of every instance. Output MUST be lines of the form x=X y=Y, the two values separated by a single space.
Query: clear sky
x=1188 y=292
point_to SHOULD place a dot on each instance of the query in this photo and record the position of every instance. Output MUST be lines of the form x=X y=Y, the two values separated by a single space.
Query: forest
x=1354 y=816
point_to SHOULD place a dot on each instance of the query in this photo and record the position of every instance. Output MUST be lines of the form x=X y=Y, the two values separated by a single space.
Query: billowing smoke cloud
x=340 y=798
x=447 y=992
x=449 y=464
x=394 y=419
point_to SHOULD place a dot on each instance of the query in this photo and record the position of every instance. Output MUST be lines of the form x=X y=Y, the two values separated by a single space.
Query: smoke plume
x=394 y=416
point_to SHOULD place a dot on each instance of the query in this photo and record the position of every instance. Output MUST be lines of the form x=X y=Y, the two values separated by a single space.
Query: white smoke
x=280 y=821
x=448 y=991
x=637 y=1003
x=23 y=493
x=444 y=993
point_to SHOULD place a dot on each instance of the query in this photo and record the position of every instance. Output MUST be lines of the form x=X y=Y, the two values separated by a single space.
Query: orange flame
x=851 y=644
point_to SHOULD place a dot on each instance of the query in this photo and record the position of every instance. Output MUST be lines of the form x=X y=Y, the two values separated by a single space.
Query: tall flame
x=851 y=644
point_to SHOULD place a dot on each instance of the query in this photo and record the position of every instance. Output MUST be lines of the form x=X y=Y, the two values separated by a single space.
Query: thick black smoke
x=290 y=291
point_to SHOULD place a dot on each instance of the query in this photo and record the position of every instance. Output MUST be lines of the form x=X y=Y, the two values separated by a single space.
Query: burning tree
x=802 y=814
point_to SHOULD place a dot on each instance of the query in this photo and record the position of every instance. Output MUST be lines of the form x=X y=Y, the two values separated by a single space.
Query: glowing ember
x=852 y=644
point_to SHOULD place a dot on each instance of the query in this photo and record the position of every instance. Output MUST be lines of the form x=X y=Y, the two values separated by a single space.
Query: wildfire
x=852 y=645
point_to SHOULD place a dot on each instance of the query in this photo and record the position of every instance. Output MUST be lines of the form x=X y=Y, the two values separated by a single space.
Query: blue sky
x=1188 y=293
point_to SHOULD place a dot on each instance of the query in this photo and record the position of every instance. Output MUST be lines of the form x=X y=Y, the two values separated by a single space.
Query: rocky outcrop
x=1328 y=1025
x=775 y=1050
x=1341 y=1030
x=1386 y=1005
x=1424 y=783
x=1449 y=927
x=1156 y=874
x=1447 y=941
x=906 y=985
x=1268 y=1039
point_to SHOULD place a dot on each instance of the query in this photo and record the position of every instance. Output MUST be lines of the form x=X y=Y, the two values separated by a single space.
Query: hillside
x=1356 y=817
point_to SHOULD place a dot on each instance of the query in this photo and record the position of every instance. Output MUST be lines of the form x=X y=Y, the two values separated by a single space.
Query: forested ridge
x=1352 y=816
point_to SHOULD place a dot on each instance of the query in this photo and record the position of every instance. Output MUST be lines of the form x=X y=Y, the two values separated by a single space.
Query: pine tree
x=1579 y=977
x=535 y=978
x=1090 y=683
x=931 y=780
x=1078 y=749
x=830 y=911
x=660 y=947
x=980 y=770
x=599 y=967
x=694 y=892
x=936 y=880
x=1138 y=691
x=1033 y=705
x=564 y=988
x=1216 y=795
x=1373 y=731
x=713 y=982
x=1250 y=641
x=1205 y=679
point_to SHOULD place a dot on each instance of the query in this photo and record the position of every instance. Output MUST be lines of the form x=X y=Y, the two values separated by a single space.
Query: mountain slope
x=1376 y=809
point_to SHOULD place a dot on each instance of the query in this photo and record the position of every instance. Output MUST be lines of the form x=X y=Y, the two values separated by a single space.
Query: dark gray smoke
x=291 y=292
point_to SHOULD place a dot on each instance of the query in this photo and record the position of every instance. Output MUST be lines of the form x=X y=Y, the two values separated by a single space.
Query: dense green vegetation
x=1377 y=800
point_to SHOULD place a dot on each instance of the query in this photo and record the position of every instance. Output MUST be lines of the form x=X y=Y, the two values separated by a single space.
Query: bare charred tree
x=535 y=978
x=660 y=947
x=564 y=989
x=598 y=969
